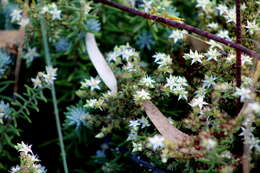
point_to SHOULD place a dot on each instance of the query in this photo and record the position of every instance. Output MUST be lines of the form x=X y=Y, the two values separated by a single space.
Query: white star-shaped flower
x=16 y=15
x=199 y=101
x=93 y=83
x=56 y=14
x=243 y=93
x=252 y=27
x=177 y=35
x=147 y=81
x=142 y=95
x=212 y=54
x=194 y=56
x=22 y=147
x=156 y=142
x=209 y=81
x=203 y=4
x=223 y=34
x=222 y=9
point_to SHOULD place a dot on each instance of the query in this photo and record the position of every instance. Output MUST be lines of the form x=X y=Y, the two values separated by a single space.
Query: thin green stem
x=54 y=98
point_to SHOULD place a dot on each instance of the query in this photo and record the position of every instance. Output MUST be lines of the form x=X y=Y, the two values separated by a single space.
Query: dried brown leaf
x=167 y=130
x=197 y=44
x=10 y=38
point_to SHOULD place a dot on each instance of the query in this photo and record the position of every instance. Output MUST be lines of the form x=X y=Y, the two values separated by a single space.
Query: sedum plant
x=188 y=80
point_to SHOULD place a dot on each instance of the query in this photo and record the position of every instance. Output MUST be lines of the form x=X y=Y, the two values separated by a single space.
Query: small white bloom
x=128 y=52
x=175 y=81
x=208 y=143
x=199 y=101
x=246 y=132
x=26 y=149
x=24 y=21
x=222 y=9
x=31 y=54
x=223 y=34
x=246 y=60
x=112 y=56
x=243 y=93
x=93 y=83
x=254 y=143
x=164 y=158
x=180 y=92
x=252 y=27
x=33 y=158
x=200 y=92
x=177 y=35
x=214 y=44
x=15 y=169
x=246 y=81
x=44 y=10
x=100 y=135
x=243 y=6
x=142 y=95
x=37 y=83
x=91 y=103
x=132 y=135
x=144 y=122
x=156 y=142
x=137 y=147
x=162 y=59
x=212 y=54
x=16 y=15
x=194 y=56
x=213 y=25
x=87 y=8
x=134 y=123
x=130 y=67
x=230 y=15
x=94 y=103
x=147 y=82
x=50 y=76
x=255 y=107
x=203 y=4
x=147 y=5
x=56 y=14
x=209 y=81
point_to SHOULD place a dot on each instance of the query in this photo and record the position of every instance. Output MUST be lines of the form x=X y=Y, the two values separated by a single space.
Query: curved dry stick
x=181 y=26
x=167 y=130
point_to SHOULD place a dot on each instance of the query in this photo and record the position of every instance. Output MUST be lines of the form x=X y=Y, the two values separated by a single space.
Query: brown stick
x=238 y=35
x=181 y=26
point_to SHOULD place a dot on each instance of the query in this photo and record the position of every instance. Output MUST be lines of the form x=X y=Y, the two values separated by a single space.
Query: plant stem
x=181 y=26
x=53 y=93
x=238 y=35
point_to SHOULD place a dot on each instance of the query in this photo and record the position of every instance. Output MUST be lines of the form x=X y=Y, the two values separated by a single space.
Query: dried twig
x=181 y=26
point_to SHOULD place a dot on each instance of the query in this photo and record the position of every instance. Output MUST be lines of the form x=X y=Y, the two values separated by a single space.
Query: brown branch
x=238 y=35
x=181 y=26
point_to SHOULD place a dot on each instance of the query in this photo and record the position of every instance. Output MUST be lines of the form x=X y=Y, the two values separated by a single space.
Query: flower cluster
x=53 y=10
x=92 y=83
x=177 y=35
x=141 y=96
x=251 y=111
x=29 y=162
x=30 y=55
x=122 y=53
x=45 y=79
x=19 y=18
x=177 y=85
